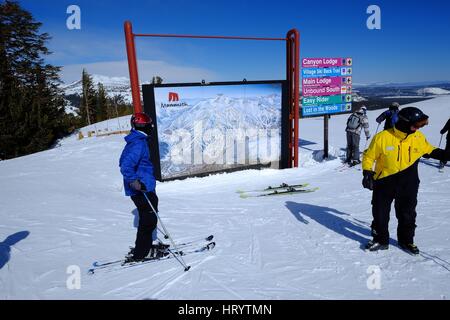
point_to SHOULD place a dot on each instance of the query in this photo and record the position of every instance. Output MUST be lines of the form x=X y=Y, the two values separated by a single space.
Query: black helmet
x=142 y=122
x=410 y=119
x=394 y=106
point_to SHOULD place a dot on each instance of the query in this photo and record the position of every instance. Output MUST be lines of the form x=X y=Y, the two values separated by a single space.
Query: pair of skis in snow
x=282 y=189
x=185 y=248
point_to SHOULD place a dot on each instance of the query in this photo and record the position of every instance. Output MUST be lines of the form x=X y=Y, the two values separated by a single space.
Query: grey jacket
x=364 y=123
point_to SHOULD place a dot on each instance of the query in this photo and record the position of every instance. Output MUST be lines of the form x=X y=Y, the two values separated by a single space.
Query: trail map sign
x=202 y=129
x=326 y=86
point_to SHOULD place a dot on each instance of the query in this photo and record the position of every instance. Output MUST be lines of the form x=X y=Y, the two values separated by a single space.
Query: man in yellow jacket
x=396 y=153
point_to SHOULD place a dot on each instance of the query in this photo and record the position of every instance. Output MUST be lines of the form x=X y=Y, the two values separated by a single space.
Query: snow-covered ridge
x=113 y=86
x=432 y=91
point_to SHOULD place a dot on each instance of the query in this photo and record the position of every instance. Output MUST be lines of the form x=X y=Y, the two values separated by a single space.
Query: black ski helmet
x=142 y=122
x=394 y=106
x=411 y=117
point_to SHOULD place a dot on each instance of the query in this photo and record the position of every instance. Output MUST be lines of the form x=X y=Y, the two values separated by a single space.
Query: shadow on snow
x=5 y=246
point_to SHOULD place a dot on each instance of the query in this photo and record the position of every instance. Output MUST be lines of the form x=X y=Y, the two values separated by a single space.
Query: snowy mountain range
x=121 y=85
x=432 y=91
x=113 y=86
x=403 y=84
x=223 y=113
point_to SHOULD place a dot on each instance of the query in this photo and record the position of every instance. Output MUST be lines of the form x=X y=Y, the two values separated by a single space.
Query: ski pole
x=178 y=257
x=377 y=129
x=440 y=141
x=161 y=231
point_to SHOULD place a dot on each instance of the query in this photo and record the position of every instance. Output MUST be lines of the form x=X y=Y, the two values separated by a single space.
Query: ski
x=192 y=242
x=342 y=166
x=278 y=193
x=347 y=166
x=281 y=186
x=183 y=245
x=123 y=264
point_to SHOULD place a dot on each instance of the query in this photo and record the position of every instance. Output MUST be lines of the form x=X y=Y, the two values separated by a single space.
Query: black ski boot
x=161 y=246
x=155 y=253
x=411 y=248
x=158 y=250
x=375 y=246
x=130 y=254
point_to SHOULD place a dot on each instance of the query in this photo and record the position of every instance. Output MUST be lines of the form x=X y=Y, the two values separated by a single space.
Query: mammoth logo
x=173 y=96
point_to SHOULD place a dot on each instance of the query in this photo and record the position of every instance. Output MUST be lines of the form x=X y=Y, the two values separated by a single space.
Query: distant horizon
x=127 y=78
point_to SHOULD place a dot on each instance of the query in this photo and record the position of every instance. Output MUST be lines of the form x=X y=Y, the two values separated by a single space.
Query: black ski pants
x=147 y=223
x=404 y=195
x=447 y=148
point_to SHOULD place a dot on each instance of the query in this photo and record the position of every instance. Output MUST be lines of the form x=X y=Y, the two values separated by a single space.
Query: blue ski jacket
x=391 y=118
x=135 y=163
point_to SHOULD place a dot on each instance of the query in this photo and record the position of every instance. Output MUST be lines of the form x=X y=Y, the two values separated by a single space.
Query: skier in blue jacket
x=137 y=171
x=390 y=117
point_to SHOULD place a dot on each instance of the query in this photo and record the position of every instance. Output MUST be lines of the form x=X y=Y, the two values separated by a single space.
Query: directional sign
x=326 y=109
x=337 y=99
x=326 y=89
x=326 y=72
x=326 y=82
x=326 y=62
x=321 y=91
x=326 y=85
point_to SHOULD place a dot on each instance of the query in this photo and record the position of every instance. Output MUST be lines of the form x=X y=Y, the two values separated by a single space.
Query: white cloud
x=146 y=68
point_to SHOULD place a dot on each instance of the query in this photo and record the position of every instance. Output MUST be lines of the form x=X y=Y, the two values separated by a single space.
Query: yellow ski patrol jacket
x=393 y=151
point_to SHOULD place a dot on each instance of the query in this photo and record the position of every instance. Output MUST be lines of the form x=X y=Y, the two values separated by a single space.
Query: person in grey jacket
x=356 y=122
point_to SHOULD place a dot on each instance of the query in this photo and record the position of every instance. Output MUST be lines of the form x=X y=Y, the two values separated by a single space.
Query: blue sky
x=413 y=43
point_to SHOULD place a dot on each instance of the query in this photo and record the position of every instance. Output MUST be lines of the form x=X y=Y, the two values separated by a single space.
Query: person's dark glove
x=138 y=185
x=438 y=154
x=368 y=179
x=442 y=131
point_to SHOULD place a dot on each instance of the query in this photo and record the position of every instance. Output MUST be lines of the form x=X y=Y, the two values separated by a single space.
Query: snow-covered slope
x=66 y=207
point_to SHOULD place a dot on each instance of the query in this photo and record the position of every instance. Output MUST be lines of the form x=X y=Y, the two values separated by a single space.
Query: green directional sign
x=336 y=99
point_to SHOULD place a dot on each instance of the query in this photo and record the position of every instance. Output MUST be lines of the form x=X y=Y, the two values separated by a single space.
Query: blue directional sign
x=326 y=109
x=326 y=72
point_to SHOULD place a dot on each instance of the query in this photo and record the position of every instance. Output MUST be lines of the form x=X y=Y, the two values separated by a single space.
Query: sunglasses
x=420 y=124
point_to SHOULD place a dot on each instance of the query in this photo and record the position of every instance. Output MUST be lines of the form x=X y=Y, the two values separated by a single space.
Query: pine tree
x=120 y=107
x=157 y=80
x=101 y=103
x=88 y=100
x=31 y=105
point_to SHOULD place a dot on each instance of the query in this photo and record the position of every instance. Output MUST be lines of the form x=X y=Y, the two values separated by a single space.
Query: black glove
x=368 y=179
x=438 y=154
x=138 y=185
